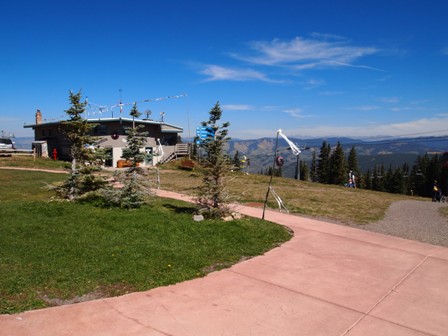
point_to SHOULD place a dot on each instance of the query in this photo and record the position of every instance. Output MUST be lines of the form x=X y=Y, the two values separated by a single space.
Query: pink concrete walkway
x=327 y=280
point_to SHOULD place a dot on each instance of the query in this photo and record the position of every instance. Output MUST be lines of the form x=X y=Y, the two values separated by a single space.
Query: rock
x=198 y=218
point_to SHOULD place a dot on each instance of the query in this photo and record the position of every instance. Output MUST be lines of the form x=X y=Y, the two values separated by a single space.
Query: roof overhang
x=165 y=128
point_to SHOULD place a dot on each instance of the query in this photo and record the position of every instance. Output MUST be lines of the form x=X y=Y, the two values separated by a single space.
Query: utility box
x=40 y=148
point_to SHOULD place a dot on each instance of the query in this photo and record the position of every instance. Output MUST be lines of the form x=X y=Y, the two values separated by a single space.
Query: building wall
x=109 y=135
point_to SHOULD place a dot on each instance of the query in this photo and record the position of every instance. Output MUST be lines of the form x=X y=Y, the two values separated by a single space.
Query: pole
x=272 y=175
x=297 y=173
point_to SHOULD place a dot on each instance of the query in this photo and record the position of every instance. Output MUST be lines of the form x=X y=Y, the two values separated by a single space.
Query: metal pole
x=270 y=180
x=297 y=173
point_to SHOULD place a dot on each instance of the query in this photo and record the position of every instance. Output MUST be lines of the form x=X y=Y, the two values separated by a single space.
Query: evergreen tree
x=337 y=166
x=378 y=178
x=237 y=161
x=387 y=179
x=213 y=196
x=134 y=113
x=381 y=178
x=368 y=180
x=323 y=167
x=397 y=183
x=77 y=130
x=352 y=164
x=304 y=171
x=313 y=171
x=276 y=172
x=136 y=188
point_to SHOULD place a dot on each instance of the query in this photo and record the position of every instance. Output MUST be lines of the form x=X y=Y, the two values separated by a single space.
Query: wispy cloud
x=216 y=73
x=313 y=83
x=409 y=108
x=390 y=100
x=237 y=107
x=294 y=112
x=331 y=93
x=320 y=51
x=365 y=108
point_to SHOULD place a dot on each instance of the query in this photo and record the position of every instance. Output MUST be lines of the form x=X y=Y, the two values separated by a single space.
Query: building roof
x=165 y=127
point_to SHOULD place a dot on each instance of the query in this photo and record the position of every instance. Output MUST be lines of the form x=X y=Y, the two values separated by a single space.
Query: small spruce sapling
x=213 y=198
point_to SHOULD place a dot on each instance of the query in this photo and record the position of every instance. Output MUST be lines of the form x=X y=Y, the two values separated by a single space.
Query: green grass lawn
x=57 y=252
x=30 y=162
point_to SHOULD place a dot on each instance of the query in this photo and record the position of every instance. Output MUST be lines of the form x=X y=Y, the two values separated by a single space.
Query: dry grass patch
x=330 y=202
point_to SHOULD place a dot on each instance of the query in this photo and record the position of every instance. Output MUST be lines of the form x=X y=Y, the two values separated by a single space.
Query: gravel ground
x=416 y=220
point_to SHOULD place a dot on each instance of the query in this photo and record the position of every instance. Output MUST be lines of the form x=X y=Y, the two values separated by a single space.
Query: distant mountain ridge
x=390 y=152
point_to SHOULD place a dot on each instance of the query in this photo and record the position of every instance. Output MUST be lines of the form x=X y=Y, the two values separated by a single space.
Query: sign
x=279 y=161
x=204 y=133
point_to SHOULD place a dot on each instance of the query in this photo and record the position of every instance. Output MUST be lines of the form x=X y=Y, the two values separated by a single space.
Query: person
x=351 y=180
x=436 y=196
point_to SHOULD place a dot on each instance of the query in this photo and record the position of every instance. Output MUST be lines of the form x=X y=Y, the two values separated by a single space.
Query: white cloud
x=301 y=53
x=321 y=51
x=294 y=112
x=237 y=107
x=365 y=108
x=408 y=108
x=390 y=100
x=331 y=93
x=216 y=72
x=314 y=83
x=271 y=108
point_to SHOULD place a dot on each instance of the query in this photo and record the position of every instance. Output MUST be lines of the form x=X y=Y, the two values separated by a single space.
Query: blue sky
x=311 y=68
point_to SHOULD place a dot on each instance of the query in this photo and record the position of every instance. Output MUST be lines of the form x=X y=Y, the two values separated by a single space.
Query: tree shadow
x=179 y=208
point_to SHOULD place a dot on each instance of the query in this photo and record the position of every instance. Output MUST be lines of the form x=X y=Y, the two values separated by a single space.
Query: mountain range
x=370 y=153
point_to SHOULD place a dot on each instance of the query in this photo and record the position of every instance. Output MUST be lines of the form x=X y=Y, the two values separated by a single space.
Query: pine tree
x=323 y=166
x=304 y=171
x=388 y=180
x=136 y=188
x=213 y=196
x=337 y=166
x=352 y=162
x=313 y=170
x=381 y=178
x=236 y=161
x=368 y=180
x=84 y=157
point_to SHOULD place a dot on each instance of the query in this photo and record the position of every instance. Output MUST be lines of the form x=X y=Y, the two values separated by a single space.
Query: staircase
x=180 y=150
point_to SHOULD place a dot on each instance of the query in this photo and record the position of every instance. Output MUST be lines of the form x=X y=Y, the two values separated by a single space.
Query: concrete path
x=327 y=280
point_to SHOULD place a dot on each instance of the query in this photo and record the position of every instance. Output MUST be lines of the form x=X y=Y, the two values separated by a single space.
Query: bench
x=187 y=165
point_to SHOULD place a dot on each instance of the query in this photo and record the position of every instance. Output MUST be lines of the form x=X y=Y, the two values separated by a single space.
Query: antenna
x=121 y=104
x=148 y=113
x=162 y=114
